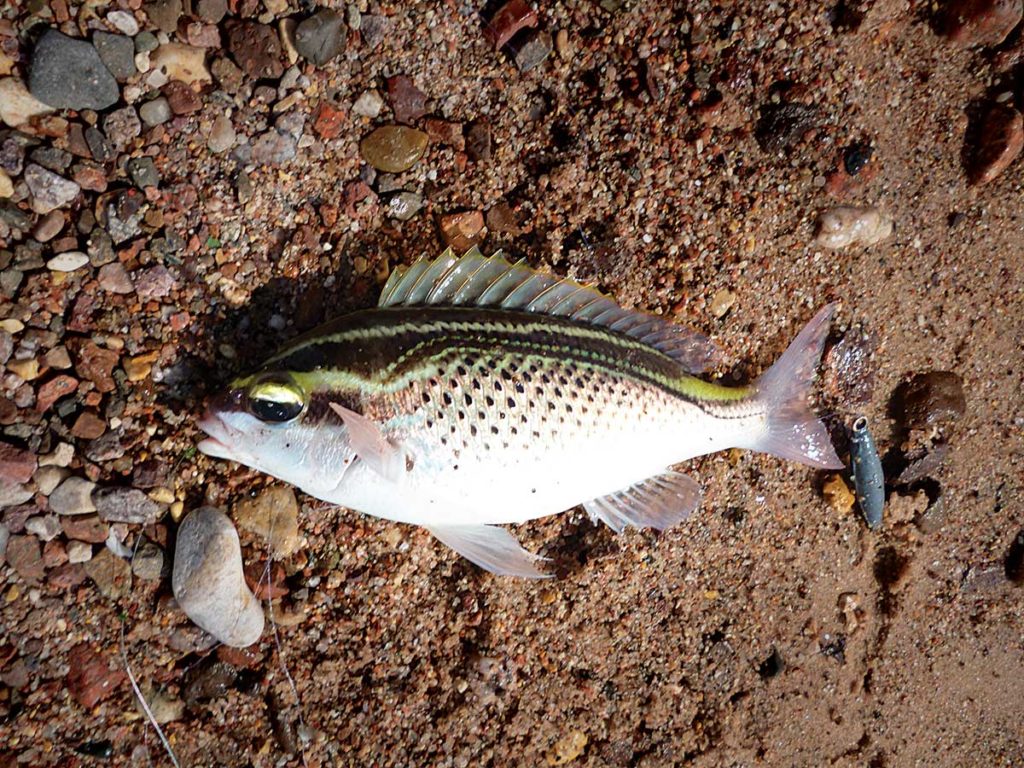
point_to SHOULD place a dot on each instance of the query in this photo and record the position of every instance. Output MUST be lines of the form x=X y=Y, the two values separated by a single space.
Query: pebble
x=143 y=172
x=164 y=14
x=328 y=120
x=43 y=527
x=445 y=132
x=155 y=112
x=68 y=261
x=369 y=104
x=49 y=191
x=117 y=53
x=6 y=185
x=96 y=364
x=501 y=218
x=47 y=478
x=257 y=49
x=121 y=126
x=273 y=515
x=209 y=582
x=54 y=390
x=374 y=27
x=88 y=426
x=101 y=149
x=211 y=11
x=48 y=227
x=51 y=158
x=73 y=497
x=509 y=19
x=153 y=282
x=393 y=148
x=165 y=709
x=722 y=302
x=25 y=555
x=848 y=225
x=837 y=493
x=5 y=536
x=123 y=22
x=114 y=278
x=404 y=205
x=321 y=37
x=87 y=528
x=12 y=494
x=534 y=50
x=79 y=552
x=1001 y=139
x=181 y=98
x=148 y=562
x=274 y=148
x=407 y=101
x=981 y=22
x=929 y=399
x=16 y=465
x=145 y=42
x=17 y=105
x=228 y=76
x=177 y=61
x=90 y=678
x=125 y=505
x=463 y=230
x=478 y=140
x=60 y=456
x=111 y=574
x=68 y=74
x=222 y=135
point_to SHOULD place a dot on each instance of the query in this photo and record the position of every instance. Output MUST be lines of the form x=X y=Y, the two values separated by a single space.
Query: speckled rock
x=222 y=135
x=68 y=74
x=321 y=37
x=125 y=505
x=393 y=148
x=121 y=126
x=404 y=205
x=25 y=555
x=148 y=562
x=209 y=582
x=49 y=191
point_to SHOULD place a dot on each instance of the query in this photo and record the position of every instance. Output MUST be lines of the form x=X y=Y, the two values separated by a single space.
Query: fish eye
x=275 y=399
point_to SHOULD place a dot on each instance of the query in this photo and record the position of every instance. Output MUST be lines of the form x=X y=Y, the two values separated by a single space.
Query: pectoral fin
x=658 y=502
x=492 y=548
x=370 y=444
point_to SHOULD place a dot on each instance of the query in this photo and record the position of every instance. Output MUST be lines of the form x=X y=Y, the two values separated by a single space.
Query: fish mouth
x=220 y=436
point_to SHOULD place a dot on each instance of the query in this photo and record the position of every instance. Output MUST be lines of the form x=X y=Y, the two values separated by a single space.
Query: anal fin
x=657 y=502
x=492 y=548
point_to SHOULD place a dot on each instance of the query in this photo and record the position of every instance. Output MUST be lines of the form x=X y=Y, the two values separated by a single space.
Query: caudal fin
x=794 y=430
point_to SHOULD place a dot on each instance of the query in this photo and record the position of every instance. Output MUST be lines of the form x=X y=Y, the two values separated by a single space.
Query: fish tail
x=792 y=429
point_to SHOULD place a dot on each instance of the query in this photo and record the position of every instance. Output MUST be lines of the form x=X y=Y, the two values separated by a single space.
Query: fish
x=481 y=392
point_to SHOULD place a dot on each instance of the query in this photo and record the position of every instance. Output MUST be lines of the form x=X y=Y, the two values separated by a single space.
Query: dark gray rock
x=321 y=37
x=117 y=53
x=143 y=172
x=66 y=73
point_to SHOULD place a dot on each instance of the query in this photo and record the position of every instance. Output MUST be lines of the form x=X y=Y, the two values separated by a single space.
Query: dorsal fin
x=478 y=280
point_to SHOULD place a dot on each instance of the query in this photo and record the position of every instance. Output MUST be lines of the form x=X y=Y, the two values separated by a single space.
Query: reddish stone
x=982 y=22
x=463 y=230
x=328 y=120
x=501 y=218
x=54 y=553
x=266 y=586
x=329 y=214
x=25 y=557
x=202 y=35
x=445 y=132
x=1001 y=140
x=81 y=313
x=54 y=390
x=16 y=465
x=408 y=102
x=478 y=141
x=179 y=321
x=257 y=49
x=90 y=678
x=87 y=528
x=66 y=576
x=181 y=98
x=508 y=20
x=88 y=426
x=90 y=177
x=354 y=192
x=97 y=364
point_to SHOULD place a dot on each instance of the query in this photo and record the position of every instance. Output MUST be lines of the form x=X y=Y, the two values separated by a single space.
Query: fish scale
x=481 y=392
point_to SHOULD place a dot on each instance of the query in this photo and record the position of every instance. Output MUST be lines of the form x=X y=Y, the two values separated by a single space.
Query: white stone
x=208 y=580
x=68 y=261
x=369 y=104
x=123 y=22
x=79 y=552
x=177 y=61
x=17 y=105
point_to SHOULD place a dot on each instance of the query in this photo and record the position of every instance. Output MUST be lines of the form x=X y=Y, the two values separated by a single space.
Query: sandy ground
x=769 y=629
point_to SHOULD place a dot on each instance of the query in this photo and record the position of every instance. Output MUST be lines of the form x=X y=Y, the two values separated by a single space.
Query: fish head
x=271 y=422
